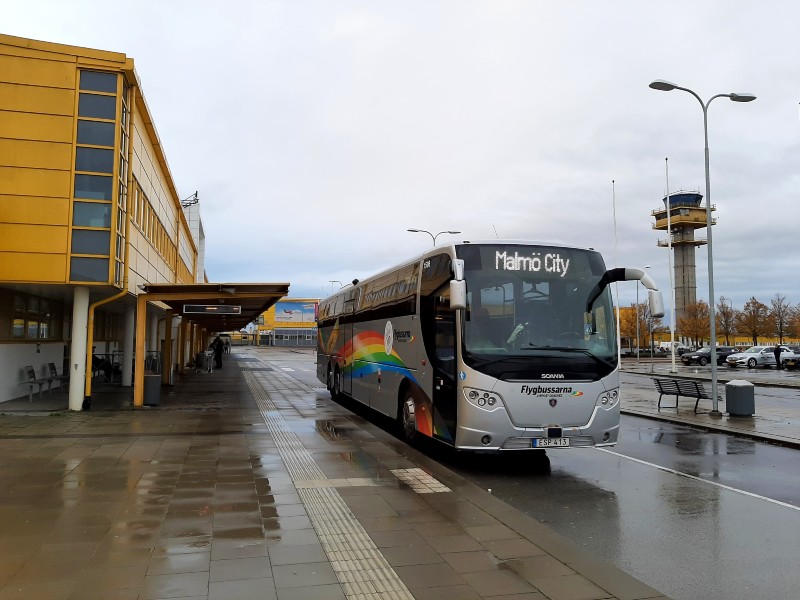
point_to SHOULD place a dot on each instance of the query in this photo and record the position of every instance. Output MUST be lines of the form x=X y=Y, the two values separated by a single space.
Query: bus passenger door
x=444 y=372
x=438 y=326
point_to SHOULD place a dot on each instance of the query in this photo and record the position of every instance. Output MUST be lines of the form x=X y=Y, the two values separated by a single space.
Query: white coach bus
x=484 y=346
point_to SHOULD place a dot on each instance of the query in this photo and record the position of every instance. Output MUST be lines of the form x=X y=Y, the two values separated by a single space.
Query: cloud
x=316 y=133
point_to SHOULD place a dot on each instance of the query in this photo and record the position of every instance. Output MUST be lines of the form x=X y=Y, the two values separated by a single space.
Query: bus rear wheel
x=407 y=417
x=336 y=387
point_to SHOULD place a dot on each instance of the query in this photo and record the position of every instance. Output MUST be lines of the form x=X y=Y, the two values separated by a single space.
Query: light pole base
x=715 y=413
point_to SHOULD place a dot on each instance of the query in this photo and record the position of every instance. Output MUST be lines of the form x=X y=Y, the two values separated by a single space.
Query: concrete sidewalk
x=773 y=421
x=248 y=483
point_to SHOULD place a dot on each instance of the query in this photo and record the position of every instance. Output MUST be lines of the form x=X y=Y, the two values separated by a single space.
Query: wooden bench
x=689 y=388
x=31 y=379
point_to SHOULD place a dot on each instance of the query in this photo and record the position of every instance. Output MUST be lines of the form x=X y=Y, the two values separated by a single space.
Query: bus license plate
x=550 y=442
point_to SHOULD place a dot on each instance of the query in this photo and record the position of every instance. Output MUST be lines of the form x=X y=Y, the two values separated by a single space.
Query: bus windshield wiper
x=594 y=357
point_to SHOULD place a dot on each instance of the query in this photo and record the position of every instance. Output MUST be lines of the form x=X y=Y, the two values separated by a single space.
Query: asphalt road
x=693 y=514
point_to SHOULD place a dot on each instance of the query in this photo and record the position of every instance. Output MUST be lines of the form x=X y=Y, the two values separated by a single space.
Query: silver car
x=757 y=356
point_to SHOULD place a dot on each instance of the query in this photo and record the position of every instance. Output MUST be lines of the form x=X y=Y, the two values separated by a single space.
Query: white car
x=757 y=356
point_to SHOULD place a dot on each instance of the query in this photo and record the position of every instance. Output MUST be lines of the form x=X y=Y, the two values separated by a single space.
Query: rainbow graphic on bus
x=366 y=354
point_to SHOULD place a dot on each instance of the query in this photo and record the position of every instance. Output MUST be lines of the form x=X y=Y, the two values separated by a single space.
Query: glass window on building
x=94 y=187
x=96 y=133
x=97 y=81
x=31 y=318
x=91 y=214
x=98 y=107
x=97 y=160
x=86 y=241
x=88 y=269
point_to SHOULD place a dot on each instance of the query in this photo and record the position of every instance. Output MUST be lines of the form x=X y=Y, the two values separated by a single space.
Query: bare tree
x=753 y=320
x=780 y=315
x=793 y=327
x=726 y=319
x=694 y=323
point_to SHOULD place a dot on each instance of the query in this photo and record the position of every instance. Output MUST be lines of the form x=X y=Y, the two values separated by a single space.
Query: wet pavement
x=773 y=421
x=248 y=483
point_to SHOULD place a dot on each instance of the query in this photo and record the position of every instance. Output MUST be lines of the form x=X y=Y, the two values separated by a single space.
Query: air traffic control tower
x=686 y=215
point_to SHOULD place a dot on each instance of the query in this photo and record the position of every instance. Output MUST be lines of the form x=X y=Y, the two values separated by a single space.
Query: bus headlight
x=483 y=399
x=609 y=399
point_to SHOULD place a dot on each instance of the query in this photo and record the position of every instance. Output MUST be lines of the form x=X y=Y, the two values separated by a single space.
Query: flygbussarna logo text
x=535 y=390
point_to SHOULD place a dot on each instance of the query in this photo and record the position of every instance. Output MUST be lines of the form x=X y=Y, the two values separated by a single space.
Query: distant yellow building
x=291 y=322
x=88 y=210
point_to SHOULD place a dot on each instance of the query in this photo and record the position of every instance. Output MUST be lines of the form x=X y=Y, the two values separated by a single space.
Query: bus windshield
x=529 y=300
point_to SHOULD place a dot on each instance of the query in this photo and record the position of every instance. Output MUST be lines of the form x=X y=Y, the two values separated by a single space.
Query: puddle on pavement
x=333 y=430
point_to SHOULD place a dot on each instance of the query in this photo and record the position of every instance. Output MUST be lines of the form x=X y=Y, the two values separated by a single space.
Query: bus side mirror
x=458 y=294
x=656 y=301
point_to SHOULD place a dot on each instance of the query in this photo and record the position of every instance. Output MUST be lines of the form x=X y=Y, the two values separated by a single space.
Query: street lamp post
x=666 y=86
x=637 y=316
x=433 y=237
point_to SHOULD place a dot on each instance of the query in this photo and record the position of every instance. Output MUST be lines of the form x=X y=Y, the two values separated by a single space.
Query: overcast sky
x=316 y=133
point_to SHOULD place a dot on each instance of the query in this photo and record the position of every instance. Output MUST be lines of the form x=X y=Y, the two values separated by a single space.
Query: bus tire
x=336 y=389
x=329 y=379
x=407 y=416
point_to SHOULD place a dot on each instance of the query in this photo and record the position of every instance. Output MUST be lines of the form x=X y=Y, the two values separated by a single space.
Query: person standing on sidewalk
x=218 y=346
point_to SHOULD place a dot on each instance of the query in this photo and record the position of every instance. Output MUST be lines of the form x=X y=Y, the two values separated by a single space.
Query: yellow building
x=290 y=322
x=89 y=211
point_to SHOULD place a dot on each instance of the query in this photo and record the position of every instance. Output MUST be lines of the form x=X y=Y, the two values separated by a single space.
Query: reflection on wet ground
x=96 y=505
x=248 y=484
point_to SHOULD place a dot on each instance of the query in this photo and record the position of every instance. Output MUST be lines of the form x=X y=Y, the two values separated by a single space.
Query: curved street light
x=667 y=86
x=637 y=316
x=433 y=237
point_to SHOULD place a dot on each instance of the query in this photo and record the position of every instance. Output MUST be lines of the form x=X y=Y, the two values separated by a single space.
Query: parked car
x=703 y=356
x=757 y=356
x=680 y=349
x=791 y=360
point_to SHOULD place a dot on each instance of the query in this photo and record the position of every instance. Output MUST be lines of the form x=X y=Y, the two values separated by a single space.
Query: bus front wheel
x=408 y=419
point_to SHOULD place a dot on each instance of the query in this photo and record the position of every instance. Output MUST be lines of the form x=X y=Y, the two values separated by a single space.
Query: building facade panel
x=34 y=182
x=45 y=239
x=35 y=154
x=37 y=99
x=33 y=267
x=33 y=209
x=34 y=126
x=39 y=69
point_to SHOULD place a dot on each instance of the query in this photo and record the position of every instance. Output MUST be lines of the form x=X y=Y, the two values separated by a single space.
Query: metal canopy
x=254 y=298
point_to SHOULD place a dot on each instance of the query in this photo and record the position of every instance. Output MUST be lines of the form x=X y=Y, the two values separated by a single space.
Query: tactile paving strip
x=420 y=481
x=363 y=572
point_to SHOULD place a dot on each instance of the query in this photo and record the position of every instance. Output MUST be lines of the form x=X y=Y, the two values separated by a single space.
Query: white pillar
x=77 y=352
x=127 y=346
